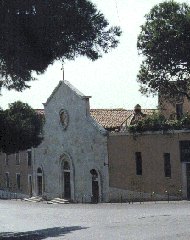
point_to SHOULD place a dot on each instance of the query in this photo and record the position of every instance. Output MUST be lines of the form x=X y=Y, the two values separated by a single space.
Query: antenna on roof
x=62 y=68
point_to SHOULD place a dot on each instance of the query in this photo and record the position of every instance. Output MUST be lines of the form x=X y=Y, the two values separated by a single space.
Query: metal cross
x=63 y=71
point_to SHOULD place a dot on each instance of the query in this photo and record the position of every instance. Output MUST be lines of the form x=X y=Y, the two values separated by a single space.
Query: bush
x=157 y=122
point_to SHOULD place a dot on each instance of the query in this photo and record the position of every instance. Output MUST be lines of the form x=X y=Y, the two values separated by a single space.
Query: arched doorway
x=40 y=181
x=67 y=188
x=66 y=180
x=95 y=186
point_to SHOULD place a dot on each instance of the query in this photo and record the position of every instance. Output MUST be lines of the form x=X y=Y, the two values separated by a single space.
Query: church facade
x=72 y=160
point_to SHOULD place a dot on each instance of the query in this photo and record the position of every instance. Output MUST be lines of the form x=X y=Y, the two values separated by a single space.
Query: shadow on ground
x=39 y=234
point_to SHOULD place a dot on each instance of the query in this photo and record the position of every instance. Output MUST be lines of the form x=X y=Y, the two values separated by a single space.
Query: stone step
x=33 y=199
x=61 y=199
x=58 y=201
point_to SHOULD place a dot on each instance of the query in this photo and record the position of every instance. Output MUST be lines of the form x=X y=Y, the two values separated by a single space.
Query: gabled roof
x=68 y=84
x=110 y=118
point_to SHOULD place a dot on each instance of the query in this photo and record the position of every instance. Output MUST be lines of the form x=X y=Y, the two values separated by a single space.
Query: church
x=72 y=160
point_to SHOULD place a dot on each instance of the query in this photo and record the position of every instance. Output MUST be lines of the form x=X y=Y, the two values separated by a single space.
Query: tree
x=20 y=128
x=164 y=41
x=36 y=33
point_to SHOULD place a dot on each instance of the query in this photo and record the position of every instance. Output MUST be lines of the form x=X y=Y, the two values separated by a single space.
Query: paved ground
x=36 y=221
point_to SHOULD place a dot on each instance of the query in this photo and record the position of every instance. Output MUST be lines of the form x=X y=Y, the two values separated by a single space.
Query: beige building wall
x=122 y=162
x=14 y=165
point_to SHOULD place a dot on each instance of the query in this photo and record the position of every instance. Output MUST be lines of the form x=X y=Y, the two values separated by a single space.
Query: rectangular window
x=7 y=159
x=29 y=157
x=179 y=110
x=167 y=165
x=17 y=158
x=7 y=181
x=138 y=163
x=18 y=180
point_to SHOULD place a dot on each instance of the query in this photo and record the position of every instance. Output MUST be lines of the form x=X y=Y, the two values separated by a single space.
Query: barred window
x=179 y=110
x=167 y=165
x=7 y=180
x=18 y=180
x=138 y=163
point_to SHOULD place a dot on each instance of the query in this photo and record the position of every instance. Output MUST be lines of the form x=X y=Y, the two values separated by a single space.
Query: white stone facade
x=80 y=142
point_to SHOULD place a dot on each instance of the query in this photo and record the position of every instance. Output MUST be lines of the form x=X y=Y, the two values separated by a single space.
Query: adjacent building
x=16 y=172
x=152 y=164
x=149 y=165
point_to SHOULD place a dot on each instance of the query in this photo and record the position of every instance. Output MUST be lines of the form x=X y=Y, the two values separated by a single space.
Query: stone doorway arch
x=67 y=178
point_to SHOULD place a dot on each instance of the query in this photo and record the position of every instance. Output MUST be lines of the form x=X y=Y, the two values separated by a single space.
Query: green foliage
x=164 y=41
x=157 y=122
x=153 y=122
x=20 y=128
x=36 y=33
x=185 y=121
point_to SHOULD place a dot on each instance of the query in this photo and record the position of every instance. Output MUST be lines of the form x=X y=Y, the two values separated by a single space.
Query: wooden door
x=67 y=185
x=39 y=180
x=30 y=185
x=95 y=192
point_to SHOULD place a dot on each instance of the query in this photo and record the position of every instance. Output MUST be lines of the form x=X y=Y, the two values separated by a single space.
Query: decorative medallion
x=64 y=118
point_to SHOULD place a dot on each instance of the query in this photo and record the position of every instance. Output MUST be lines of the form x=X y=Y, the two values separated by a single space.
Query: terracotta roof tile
x=114 y=118
x=110 y=118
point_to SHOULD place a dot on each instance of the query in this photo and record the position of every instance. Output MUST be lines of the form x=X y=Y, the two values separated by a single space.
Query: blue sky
x=111 y=80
